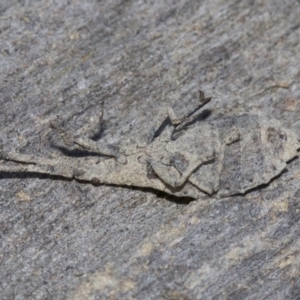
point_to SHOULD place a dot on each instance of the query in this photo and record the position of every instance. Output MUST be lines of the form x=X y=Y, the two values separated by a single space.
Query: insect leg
x=172 y=174
x=169 y=175
x=27 y=163
x=71 y=139
x=194 y=112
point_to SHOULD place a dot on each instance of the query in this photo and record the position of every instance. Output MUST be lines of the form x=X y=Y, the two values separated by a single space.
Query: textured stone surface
x=62 y=238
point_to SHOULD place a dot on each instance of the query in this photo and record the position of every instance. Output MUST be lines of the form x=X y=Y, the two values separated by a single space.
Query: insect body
x=225 y=156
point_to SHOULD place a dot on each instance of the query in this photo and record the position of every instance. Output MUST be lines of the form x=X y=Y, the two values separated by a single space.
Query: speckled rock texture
x=63 y=239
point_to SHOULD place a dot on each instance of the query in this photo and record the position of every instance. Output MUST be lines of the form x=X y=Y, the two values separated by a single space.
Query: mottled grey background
x=63 y=239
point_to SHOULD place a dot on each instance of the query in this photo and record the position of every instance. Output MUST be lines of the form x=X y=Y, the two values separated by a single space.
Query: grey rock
x=61 y=60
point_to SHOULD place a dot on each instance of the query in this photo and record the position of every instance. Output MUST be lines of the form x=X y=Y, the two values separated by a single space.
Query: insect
x=182 y=156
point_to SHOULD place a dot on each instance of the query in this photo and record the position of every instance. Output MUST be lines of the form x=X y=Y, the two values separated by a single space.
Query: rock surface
x=64 y=239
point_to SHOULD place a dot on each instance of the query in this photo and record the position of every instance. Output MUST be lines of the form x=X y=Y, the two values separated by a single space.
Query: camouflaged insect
x=225 y=156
